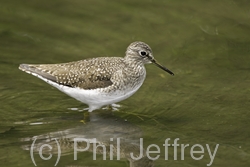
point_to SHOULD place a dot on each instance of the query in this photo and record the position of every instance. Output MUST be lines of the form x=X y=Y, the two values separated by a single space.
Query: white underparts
x=94 y=98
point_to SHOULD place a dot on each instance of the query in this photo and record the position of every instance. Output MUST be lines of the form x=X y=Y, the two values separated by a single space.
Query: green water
x=205 y=43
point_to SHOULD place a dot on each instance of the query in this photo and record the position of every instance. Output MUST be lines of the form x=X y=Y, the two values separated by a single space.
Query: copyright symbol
x=41 y=151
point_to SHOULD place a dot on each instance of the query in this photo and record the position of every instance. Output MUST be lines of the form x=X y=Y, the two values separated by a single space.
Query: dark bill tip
x=162 y=67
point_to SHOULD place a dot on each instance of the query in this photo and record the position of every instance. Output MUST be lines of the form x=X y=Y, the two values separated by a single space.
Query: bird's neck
x=133 y=62
x=134 y=68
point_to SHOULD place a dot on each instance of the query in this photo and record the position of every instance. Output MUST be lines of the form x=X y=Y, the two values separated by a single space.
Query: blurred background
x=205 y=43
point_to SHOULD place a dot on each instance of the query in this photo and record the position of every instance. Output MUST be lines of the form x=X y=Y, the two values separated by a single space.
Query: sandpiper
x=99 y=81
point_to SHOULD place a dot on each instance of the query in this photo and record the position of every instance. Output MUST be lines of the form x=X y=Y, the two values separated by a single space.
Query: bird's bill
x=162 y=67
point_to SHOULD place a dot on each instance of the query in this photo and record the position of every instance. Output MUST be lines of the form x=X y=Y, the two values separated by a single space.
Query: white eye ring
x=143 y=53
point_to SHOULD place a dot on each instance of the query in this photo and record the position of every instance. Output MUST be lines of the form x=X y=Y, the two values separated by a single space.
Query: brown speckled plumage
x=107 y=74
x=85 y=74
x=91 y=73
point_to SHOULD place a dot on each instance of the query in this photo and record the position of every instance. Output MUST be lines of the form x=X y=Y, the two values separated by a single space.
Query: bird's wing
x=86 y=74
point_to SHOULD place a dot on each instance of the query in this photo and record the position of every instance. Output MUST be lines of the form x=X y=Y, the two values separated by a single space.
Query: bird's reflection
x=102 y=129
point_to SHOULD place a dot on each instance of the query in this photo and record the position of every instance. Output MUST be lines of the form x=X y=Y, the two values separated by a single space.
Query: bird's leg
x=85 y=117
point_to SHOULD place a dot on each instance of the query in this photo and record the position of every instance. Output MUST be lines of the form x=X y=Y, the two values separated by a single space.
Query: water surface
x=205 y=43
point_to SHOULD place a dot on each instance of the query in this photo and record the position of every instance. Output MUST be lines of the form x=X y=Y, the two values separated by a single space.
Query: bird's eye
x=143 y=53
